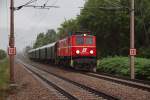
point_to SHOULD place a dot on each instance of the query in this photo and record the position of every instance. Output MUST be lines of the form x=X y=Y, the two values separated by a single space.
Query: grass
x=4 y=77
x=120 y=66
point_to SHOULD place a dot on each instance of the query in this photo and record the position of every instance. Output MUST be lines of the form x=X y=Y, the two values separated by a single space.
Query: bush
x=4 y=78
x=144 y=52
x=4 y=73
x=120 y=66
x=2 y=54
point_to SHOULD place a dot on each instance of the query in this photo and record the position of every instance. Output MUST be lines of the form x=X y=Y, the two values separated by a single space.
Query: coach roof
x=46 y=46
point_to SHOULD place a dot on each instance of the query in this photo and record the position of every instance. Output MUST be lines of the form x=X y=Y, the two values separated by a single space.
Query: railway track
x=132 y=83
x=143 y=85
x=70 y=89
x=140 y=84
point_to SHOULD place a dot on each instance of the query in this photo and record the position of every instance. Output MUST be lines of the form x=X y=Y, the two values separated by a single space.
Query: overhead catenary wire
x=42 y=17
x=46 y=3
x=28 y=4
x=45 y=15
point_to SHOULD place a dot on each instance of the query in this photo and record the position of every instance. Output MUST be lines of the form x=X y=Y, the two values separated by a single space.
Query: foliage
x=4 y=78
x=50 y=36
x=39 y=40
x=68 y=26
x=112 y=25
x=110 y=21
x=4 y=73
x=43 y=39
x=2 y=54
x=144 y=52
x=120 y=66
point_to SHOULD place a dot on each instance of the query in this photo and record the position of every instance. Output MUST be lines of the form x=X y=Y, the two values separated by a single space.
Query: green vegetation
x=110 y=21
x=120 y=66
x=43 y=39
x=4 y=77
x=111 y=26
x=68 y=26
x=2 y=54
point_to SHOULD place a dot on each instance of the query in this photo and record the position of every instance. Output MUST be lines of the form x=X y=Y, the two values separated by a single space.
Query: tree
x=39 y=40
x=112 y=25
x=68 y=26
x=110 y=21
x=50 y=36
x=2 y=54
x=44 y=39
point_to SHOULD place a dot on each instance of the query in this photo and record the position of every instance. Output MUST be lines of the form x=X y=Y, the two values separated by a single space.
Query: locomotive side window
x=89 y=40
x=79 y=40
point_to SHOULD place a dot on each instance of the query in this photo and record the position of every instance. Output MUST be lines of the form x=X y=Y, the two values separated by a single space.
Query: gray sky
x=30 y=21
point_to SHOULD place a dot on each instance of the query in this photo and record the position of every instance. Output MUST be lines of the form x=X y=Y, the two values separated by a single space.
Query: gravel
x=30 y=88
x=74 y=90
x=118 y=90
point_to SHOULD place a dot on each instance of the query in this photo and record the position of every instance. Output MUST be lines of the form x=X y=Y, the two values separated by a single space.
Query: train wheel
x=94 y=69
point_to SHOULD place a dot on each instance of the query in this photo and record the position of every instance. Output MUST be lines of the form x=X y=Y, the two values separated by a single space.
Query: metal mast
x=11 y=40
x=132 y=71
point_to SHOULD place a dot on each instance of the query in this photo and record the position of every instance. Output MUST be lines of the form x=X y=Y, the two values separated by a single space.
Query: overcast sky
x=29 y=21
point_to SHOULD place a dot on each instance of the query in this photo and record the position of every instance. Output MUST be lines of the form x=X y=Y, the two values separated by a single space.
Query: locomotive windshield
x=79 y=40
x=89 y=40
x=84 y=40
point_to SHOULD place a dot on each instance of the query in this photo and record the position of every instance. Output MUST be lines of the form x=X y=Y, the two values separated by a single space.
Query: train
x=77 y=50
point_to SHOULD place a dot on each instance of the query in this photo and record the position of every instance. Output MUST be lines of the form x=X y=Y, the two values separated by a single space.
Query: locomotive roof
x=45 y=46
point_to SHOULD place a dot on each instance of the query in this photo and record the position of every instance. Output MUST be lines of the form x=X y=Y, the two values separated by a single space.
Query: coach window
x=89 y=40
x=79 y=40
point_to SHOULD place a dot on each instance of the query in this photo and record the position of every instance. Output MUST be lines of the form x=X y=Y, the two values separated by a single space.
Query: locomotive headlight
x=77 y=51
x=91 y=51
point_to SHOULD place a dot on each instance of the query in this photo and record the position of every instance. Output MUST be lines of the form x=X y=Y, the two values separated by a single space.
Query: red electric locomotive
x=78 y=50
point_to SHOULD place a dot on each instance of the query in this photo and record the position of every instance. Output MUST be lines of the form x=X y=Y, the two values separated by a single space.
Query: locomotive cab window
x=79 y=40
x=89 y=40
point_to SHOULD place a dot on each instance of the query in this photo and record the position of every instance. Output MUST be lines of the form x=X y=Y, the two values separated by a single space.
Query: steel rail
x=145 y=85
x=101 y=94
x=66 y=94
x=126 y=78
x=132 y=83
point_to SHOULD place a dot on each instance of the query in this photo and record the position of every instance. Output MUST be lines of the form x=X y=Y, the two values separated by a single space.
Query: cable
x=37 y=7
x=45 y=3
x=41 y=20
x=29 y=2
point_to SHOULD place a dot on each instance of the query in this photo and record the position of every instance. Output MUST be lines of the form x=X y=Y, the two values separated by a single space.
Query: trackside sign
x=11 y=51
x=132 y=52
